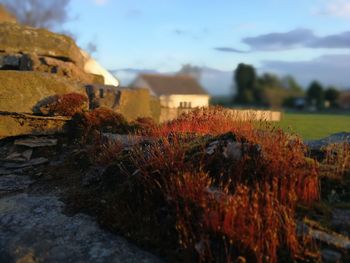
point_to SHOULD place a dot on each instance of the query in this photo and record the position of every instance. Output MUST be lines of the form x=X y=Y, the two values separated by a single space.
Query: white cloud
x=100 y=2
x=337 y=8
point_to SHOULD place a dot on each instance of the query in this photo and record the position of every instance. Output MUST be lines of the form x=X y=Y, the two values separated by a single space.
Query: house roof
x=173 y=85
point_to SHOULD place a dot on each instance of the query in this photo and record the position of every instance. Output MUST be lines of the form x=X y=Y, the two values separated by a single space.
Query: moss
x=16 y=38
x=22 y=91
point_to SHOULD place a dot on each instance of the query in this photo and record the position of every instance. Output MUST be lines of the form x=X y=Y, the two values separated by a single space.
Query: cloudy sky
x=306 y=38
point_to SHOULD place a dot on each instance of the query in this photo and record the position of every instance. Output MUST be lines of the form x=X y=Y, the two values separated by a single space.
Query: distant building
x=93 y=67
x=344 y=100
x=178 y=91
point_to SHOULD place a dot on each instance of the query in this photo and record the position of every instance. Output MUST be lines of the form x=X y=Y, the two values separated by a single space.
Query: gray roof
x=173 y=85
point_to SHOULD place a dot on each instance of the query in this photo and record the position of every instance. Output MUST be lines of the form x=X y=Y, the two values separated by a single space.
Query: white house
x=174 y=91
x=92 y=66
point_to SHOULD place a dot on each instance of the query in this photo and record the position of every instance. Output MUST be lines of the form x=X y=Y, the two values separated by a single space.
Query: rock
x=234 y=150
x=12 y=182
x=330 y=256
x=332 y=139
x=16 y=165
x=212 y=147
x=36 y=227
x=23 y=156
x=341 y=220
x=18 y=39
x=30 y=49
x=15 y=124
x=93 y=176
x=11 y=171
x=35 y=142
x=22 y=91
x=328 y=237
x=6 y=16
x=33 y=62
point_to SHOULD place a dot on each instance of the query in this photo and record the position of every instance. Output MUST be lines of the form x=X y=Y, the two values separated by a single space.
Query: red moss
x=202 y=121
x=223 y=208
x=66 y=105
x=87 y=125
x=240 y=207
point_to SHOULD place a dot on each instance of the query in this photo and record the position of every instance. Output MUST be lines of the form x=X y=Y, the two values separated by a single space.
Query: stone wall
x=16 y=124
x=22 y=91
x=132 y=103
x=244 y=115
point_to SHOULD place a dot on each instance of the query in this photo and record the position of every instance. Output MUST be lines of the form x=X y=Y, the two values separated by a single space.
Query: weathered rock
x=33 y=62
x=23 y=91
x=330 y=256
x=16 y=165
x=131 y=103
x=11 y=171
x=93 y=176
x=332 y=139
x=341 y=220
x=23 y=156
x=6 y=16
x=328 y=237
x=12 y=182
x=16 y=38
x=35 y=142
x=35 y=228
x=15 y=124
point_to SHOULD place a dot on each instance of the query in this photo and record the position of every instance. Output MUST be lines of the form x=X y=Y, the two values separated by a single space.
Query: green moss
x=21 y=91
x=16 y=38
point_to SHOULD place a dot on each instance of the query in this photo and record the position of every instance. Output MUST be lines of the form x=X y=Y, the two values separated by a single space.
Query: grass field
x=315 y=126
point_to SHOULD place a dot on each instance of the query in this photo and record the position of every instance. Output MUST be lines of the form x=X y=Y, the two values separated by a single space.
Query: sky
x=309 y=39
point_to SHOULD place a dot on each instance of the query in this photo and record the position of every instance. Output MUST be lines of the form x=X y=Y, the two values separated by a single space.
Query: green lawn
x=315 y=126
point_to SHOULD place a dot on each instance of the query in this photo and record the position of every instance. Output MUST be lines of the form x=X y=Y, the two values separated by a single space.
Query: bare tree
x=190 y=70
x=49 y=14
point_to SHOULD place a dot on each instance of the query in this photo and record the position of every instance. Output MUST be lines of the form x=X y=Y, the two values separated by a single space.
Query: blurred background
x=290 y=54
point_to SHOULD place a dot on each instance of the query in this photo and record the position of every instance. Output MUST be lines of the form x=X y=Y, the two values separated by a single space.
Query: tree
x=245 y=79
x=50 y=14
x=331 y=94
x=190 y=70
x=315 y=95
x=292 y=85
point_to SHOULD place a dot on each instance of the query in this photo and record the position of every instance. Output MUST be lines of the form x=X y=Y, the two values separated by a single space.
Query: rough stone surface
x=332 y=139
x=35 y=142
x=16 y=38
x=22 y=91
x=19 y=165
x=15 y=124
x=12 y=182
x=341 y=220
x=330 y=256
x=34 y=228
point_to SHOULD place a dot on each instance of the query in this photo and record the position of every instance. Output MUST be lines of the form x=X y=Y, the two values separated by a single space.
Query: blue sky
x=274 y=35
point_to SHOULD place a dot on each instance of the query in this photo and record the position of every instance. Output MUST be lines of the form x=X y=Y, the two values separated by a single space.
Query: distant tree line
x=269 y=90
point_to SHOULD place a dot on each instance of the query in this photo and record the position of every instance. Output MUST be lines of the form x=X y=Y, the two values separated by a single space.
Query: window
x=185 y=104
x=102 y=93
